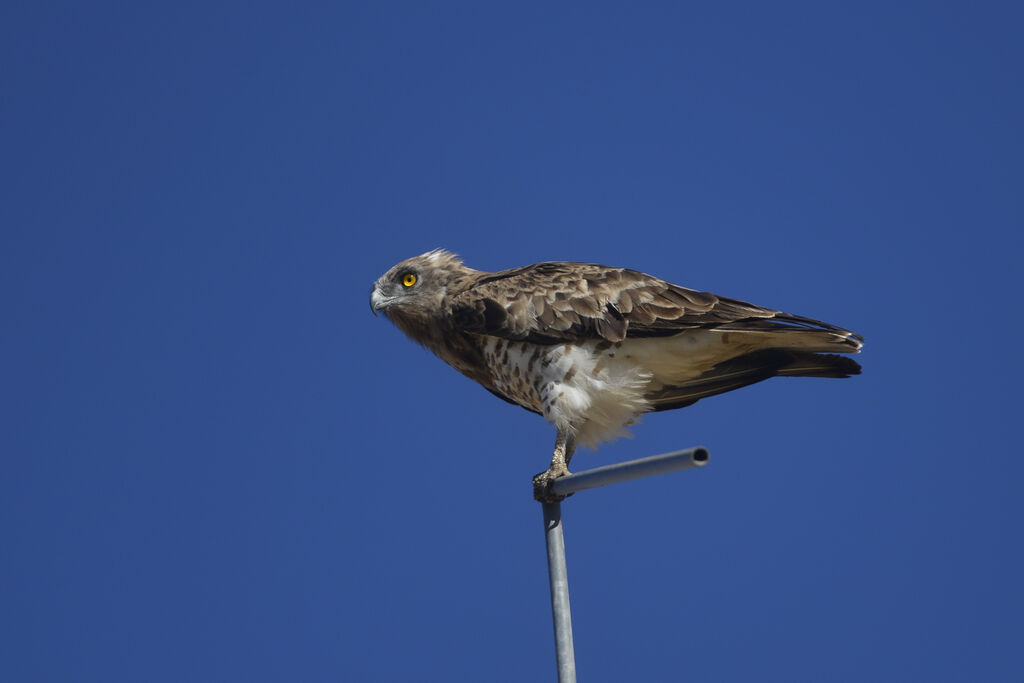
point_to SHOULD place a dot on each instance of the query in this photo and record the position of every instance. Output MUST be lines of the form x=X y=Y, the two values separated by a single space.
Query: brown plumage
x=592 y=347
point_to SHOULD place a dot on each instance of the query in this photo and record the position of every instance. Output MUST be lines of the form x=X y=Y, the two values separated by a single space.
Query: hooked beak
x=378 y=301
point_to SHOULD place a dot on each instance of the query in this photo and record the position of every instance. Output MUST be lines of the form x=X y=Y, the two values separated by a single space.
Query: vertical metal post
x=558 y=577
x=557 y=574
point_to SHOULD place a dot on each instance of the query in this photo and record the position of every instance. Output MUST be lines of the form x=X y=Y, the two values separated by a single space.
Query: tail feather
x=749 y=369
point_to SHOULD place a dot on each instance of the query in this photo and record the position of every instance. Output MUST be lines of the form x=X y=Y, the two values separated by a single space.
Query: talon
x=544 y=482
x=565 y=444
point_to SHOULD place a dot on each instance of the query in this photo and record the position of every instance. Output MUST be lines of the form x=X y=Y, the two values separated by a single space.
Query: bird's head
x=414 y=292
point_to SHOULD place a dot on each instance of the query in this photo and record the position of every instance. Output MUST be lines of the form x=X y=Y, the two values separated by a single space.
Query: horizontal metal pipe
x=633 y=469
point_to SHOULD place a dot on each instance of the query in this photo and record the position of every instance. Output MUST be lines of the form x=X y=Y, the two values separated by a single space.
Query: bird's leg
x=570 y=449
x=565 y=446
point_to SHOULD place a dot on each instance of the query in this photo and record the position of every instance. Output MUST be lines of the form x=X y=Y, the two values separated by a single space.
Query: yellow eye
x=409 y=279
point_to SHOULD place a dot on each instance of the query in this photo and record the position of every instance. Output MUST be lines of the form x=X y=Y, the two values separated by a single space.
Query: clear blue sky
x=218 y=465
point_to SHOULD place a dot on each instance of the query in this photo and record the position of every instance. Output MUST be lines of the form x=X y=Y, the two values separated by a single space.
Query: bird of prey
x=591 y=347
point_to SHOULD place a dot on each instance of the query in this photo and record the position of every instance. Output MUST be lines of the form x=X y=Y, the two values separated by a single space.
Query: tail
x=749 y=369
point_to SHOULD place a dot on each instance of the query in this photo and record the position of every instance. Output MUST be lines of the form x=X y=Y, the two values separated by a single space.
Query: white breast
x=589 y=387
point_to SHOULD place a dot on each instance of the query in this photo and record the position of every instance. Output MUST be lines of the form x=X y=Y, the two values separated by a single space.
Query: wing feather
x=555 y=302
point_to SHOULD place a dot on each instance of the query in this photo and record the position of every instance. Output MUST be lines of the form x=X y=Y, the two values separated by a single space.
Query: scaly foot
x=544 y=482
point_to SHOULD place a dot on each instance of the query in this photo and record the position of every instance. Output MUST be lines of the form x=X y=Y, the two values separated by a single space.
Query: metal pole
x=634 y=469
x=558 y=577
